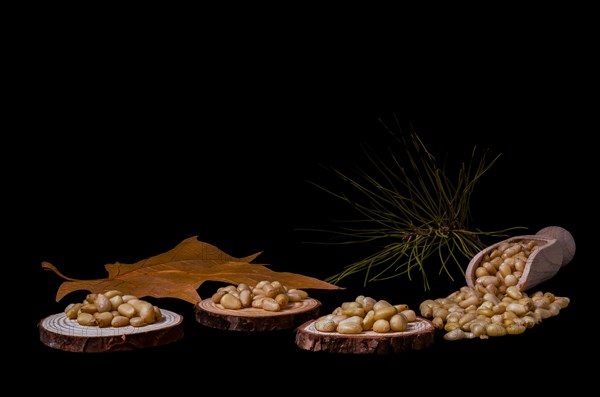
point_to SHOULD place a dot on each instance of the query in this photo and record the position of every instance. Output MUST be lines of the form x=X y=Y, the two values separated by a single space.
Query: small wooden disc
x=214 y=315
x=420 y=334
x=59 y=332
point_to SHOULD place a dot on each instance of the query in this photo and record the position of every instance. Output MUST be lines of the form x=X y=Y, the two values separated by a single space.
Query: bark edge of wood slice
x=251 y=319
x=59 y=332
x=419 y=335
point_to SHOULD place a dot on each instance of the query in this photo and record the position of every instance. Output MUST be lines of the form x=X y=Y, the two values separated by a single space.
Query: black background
x=132 y=148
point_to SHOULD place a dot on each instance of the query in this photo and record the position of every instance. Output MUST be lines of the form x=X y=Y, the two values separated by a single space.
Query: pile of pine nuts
x=113 y=309
x=366 y=314
x=495 y=306
x=272 y=296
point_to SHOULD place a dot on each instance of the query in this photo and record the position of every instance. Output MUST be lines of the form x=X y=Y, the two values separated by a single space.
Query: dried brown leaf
x=179 y=272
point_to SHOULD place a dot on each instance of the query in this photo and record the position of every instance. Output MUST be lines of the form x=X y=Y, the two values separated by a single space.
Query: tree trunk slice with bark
x=419 y=335
x=59 y=332
x=214 y=315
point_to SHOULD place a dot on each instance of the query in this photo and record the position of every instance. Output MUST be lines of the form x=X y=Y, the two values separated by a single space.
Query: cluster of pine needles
x=412 y=211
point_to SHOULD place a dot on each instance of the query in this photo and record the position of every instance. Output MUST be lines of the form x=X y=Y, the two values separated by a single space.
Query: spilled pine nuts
x=267 y=295
x=113 y=309
x=494 y=306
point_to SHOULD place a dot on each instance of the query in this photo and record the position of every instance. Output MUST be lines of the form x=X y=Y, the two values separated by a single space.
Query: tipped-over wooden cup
x=556 y=248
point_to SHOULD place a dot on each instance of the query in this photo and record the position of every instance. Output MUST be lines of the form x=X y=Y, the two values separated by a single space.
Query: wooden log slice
x=59 y=332
x=419 y=335
x=214 y=315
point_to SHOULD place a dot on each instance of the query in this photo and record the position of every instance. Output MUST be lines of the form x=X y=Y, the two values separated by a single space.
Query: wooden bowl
x=556 y=248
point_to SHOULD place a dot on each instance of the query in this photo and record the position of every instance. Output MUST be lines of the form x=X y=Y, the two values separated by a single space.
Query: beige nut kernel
x=271 y=305
x=481 y=272
x=426 y=308
x=528 y=321
x=455 y=334
x=229 y=301
x=271 y=291
x=126 y=310
x=478 y=329
x=338 y=318
x=257 y=301
x=398 y=322
x=489 y=267
x=354 y=311
x=472 y=300
x=562 y=301
x=90 y=298
x=115 y=301
x=261 y=284
x=216 y=297
x=451 y=326
x=158 y=315
x=440 y=312
x=380 y=304
x=368 y=320
x=515 y=329
x=467 y=318
x=543 y=313
x=102 y=303
x=72 y=310
x=113 y=292
x=294 y=296
x=438 y=322
x=517 y=308
x=283 y=300
x=146 y=312
x=511 y=280
x=325 y=325
x=301 y=293
x=136 y=322
x=410 y=315
x=350 y=305
x=349 y=327
x=453 y=317
x=86 y=319
x=514 y=292
x=88 y=308
x=368 y=303
x=245 y=297
x=488 y=280
x=495 y=330
x=103 y=319
x=384 y=312
x=139 y=305
x=258 y=292
x=119 y=321
x=128 y=297
x=381 y=326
